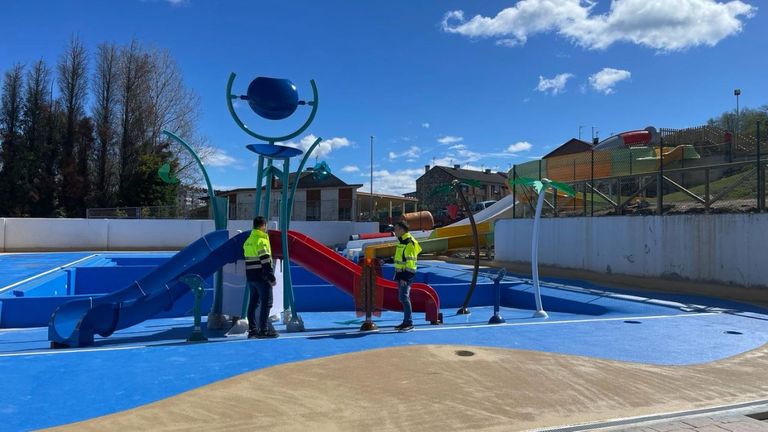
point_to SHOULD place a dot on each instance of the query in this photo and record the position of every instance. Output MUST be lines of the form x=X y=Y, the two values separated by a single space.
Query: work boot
x=404 y=326
x=268 y=333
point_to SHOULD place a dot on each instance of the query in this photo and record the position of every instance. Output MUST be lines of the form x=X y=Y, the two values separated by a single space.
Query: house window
x=345 y=204
x=314 y=204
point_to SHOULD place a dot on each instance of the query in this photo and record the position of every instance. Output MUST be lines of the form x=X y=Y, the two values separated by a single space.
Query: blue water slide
x=75 y=323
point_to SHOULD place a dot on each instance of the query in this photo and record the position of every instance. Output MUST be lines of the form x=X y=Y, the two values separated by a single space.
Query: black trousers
x=261 y=297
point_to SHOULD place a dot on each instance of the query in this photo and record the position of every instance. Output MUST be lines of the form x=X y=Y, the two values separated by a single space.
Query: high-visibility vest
x=406 y=254
x=257 y=250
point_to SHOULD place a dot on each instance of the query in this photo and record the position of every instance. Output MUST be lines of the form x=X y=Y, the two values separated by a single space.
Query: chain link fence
x=303 y=210
x=150 y=212
x=697 y=170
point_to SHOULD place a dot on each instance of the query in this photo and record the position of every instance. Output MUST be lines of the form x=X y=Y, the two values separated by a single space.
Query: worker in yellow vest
x=261 y=278
x=406 y=254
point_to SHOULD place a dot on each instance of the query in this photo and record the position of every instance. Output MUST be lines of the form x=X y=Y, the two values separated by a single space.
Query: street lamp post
x=737 y=93
x=370 y=216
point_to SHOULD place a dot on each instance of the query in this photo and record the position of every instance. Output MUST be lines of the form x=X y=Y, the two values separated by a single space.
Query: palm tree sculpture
x=540 y=186
x=456 y=185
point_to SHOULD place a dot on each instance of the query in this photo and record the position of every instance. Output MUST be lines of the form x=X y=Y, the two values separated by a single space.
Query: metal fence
x=697 y=170
x=151 y=212
x=304 y=210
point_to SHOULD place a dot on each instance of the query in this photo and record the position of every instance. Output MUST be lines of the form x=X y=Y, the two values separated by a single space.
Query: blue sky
x=483 y=84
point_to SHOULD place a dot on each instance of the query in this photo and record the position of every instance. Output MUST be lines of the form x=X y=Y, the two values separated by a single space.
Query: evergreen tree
x=11 y=105
x=58 y=159
x=31 y=186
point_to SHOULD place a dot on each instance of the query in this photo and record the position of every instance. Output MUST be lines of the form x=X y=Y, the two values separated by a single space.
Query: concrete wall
x=725 y=248
x=18 y=235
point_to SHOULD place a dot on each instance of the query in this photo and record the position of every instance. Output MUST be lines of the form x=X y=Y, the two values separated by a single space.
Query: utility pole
x=737 y=93
x=370 y=216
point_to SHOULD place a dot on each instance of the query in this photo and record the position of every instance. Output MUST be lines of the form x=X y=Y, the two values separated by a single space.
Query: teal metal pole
x=220 y=222
x=268 y=192
x=298 y=176
x=295 y=324
x=284 y=221
x=259 y=183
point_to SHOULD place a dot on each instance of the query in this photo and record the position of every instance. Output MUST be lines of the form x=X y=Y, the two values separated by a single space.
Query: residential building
x=326 y=199
x=387 y=208
x=492 y=186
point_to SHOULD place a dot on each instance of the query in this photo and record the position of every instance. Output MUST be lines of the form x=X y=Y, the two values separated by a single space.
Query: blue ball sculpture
x=273 y=98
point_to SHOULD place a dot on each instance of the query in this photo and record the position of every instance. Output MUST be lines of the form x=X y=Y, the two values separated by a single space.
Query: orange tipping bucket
x=421 y=220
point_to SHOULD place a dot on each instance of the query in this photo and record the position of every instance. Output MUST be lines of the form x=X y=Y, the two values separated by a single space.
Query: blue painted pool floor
x=41 y=387
x=152 y=361
x=17 y=267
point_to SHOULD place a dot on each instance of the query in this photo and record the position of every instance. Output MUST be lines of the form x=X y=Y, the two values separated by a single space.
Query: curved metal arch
x=218 y=218
x=237 y=120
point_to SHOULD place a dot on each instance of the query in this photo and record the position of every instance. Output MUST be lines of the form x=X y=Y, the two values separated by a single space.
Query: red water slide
x=342 y=273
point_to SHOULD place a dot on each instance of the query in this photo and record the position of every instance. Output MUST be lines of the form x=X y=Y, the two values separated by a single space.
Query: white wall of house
x=724 y=248
x=329 y=206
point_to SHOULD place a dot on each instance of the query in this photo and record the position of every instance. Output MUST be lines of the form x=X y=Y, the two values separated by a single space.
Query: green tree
x=747 y=124
x=146 y=187
x=32 y=186
x=11 y=105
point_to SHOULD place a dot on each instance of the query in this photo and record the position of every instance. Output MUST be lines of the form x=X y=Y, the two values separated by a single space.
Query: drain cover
x=464 y=353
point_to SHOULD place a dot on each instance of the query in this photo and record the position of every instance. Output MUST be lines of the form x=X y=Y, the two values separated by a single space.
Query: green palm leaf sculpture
x=540 y=186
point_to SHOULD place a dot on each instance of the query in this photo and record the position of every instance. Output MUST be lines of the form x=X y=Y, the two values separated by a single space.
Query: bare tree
x=174 y=107
x=105 y=113
x=133 y=99
x=73 y=87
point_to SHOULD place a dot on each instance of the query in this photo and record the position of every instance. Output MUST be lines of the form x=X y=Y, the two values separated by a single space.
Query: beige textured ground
x=430 y=388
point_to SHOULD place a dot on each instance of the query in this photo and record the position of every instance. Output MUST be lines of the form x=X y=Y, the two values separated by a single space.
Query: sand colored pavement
x=432 y=388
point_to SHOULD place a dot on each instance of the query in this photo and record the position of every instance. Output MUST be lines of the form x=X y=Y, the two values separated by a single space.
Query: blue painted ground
x=149 y=362
x=17 y=267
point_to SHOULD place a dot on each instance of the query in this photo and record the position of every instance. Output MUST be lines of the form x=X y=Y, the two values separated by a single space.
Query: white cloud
x=665 y=25
x=412 y=152
x=216 y=157
x=604 y=80
x=324 y=148
x=554 y=85
x=518 y=147
x=462 y=155
x=218 y=187
x=393 y=182
x=425 y=125
x=350 y=169
x=450 y=139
